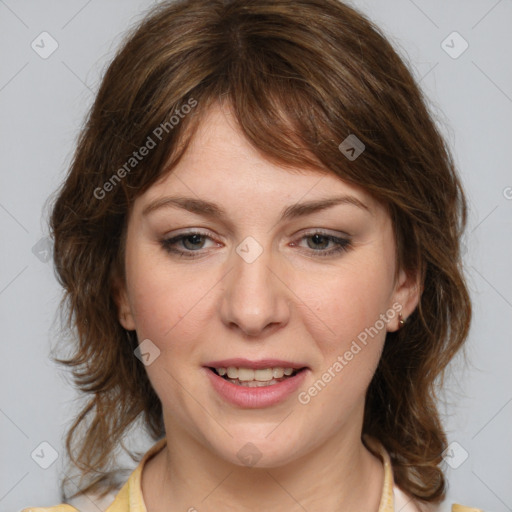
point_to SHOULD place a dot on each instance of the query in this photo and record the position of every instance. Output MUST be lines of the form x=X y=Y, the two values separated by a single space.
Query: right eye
x=185 y=244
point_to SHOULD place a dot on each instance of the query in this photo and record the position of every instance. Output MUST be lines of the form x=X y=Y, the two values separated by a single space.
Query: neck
x=339 y=475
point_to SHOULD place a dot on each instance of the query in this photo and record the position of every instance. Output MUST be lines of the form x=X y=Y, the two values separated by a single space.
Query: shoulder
x=404 y=503
x=86 y=502
x=461 y=508
x=394 y=499
x=94 y=503
x=125 y=496
x=56 y=508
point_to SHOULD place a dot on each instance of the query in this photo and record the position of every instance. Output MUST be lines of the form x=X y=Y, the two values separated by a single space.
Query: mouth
x=255 y=377
x=249 y=384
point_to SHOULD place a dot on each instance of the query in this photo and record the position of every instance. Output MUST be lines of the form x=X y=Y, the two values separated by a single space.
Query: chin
x=259 y=451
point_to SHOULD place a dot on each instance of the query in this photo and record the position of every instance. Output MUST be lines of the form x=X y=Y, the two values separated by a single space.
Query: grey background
x=42 y=105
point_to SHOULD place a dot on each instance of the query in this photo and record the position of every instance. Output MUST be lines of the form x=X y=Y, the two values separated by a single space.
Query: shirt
x=129 y=498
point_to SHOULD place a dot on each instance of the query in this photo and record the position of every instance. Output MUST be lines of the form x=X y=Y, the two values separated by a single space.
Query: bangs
x=294 y=113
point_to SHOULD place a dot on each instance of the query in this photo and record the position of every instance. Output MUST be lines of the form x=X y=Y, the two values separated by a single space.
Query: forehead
x=220 y=164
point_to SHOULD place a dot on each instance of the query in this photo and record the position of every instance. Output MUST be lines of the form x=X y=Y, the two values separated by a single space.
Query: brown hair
x=300 y=76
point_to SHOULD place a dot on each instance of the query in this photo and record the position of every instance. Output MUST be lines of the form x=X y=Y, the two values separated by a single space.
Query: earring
x=401 y=321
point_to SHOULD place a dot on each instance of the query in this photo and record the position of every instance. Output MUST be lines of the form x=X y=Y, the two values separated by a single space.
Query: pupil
x=196 y=239
x=316 y=239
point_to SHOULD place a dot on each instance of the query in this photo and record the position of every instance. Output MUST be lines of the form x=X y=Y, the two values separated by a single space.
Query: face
x=232 y=261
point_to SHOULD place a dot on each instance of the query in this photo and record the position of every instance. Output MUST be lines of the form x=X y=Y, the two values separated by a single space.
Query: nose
x=256 y=298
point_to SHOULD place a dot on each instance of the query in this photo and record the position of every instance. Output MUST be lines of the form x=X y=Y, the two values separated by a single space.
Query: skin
x=290 y=303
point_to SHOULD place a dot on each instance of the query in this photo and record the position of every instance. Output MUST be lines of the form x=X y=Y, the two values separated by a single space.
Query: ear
x=124 y=310
x=406 y=297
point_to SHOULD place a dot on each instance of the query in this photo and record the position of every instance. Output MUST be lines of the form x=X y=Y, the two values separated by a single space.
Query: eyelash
x=343 y=244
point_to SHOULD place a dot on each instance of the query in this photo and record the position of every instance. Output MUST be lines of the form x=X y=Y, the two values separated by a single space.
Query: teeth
x=254 y=383
x=260 y=375
x=232 y=372
x=246 y=374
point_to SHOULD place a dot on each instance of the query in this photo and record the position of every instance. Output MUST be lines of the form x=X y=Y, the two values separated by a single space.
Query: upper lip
x=241 y=362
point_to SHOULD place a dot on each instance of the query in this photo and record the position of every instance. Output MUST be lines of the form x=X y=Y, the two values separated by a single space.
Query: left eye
x=321 y=240
x=193 y=242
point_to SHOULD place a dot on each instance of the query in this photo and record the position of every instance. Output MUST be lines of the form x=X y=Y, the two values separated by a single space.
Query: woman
x=259 y=243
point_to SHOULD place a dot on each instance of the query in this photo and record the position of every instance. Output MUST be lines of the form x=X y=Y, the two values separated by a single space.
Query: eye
x=192 y=242
x=319 y=241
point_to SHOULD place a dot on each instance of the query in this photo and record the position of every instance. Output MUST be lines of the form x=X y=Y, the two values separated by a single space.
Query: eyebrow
x=212 y=210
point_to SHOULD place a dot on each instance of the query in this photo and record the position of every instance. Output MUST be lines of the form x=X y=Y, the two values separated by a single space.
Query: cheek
x=164 y=300
x=345 y=322
x=346 y=304
x=169 y=311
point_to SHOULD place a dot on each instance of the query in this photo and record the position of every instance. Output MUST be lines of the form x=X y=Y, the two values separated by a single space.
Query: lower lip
x=254 y=398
